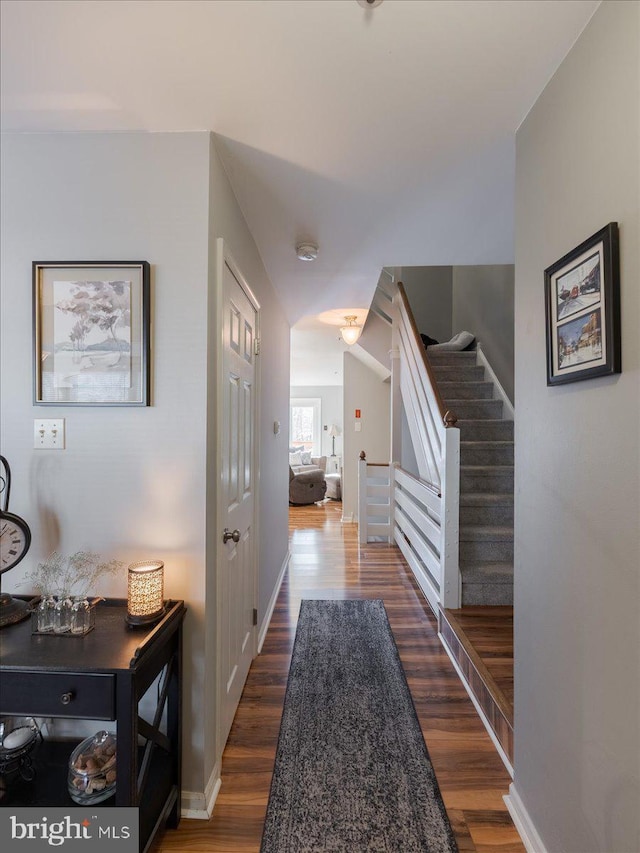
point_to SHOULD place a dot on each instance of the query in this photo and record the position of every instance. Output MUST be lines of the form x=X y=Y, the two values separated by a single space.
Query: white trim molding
x=272 y=603
x=523 y=823
x=199 y=806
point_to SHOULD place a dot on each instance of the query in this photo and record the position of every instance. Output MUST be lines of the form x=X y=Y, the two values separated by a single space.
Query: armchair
x=306 y=487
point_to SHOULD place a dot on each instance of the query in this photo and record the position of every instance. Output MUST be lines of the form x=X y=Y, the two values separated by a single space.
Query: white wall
x=331 y=412
x=133 y=482
x=577 y=530
x=408 y=459
x=430 y=294
x=483 y=298
x=478 y=299
x=364 y=390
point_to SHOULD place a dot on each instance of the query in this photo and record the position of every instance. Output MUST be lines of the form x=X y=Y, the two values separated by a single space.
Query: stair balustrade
x=419 y=513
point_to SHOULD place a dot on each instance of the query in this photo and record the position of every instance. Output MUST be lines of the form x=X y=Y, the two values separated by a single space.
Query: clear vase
x=62 y=615
x=45 y=611
x=80 y=615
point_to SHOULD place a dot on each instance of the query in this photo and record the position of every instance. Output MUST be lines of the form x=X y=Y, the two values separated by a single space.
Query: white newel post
x=450 y=591
x=362 y=498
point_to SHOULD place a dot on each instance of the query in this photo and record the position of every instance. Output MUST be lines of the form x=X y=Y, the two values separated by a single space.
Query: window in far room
x=304 y=424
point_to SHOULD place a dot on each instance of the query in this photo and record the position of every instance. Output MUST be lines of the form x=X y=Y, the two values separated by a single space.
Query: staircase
x=486 y=478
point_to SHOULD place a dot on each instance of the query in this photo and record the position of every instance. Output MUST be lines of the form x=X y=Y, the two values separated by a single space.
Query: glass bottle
x=45 y=611
x=62 y=615
x=80 y=615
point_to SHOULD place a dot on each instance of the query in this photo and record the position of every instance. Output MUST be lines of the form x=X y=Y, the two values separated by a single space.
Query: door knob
x=229 y=535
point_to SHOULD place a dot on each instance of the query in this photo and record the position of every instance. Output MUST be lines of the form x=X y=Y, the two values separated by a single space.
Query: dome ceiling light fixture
x=307 y=251
x=352 y=331
x=368 y=4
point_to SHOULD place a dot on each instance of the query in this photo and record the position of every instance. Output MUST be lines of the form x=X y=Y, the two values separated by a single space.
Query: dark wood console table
x=102 y=676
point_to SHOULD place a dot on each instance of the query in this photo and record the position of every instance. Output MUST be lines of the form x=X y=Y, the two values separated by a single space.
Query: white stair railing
x=375 y=510
x=421 y=514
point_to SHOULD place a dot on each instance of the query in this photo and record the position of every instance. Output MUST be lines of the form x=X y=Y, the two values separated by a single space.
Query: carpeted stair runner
x=352 y=772
x=486 y=478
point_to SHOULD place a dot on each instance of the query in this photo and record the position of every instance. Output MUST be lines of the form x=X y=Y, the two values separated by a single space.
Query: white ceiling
x=386 y=135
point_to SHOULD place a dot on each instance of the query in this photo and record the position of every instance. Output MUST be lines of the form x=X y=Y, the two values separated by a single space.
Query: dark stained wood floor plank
x=327 y=562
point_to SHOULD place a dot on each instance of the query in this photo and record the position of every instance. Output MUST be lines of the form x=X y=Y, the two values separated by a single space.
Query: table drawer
x=58 y=694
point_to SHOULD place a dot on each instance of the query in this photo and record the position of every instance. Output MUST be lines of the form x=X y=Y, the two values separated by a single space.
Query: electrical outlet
x=48 y=434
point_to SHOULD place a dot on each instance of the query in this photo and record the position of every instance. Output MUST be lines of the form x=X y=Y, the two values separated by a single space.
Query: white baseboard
x=348 y=518
x=476 y=705
x=498 y=391
x=262 y=633
x=523 y=823
x=198 y=806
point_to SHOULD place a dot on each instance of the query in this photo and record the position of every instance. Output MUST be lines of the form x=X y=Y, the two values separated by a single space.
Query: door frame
x=224 y=258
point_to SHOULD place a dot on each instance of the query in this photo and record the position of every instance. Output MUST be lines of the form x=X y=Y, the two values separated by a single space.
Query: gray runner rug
x=352 y=771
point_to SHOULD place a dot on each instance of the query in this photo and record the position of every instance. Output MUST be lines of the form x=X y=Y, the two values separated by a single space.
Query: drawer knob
x=66 y=698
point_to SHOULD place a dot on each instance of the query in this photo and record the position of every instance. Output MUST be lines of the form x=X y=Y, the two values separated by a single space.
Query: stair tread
x=486 y=469
x=486 y=499
x=444 y=382
x=486 y=533
x=487 y=444
x=487 y=572
x=451 y=353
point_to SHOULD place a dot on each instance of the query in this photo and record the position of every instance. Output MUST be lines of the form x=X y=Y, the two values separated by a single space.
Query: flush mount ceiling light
x=368 y=4
x=352 y=331
x=307 y=251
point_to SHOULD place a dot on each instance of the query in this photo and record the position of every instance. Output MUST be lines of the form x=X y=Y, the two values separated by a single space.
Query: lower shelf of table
x=49 y=785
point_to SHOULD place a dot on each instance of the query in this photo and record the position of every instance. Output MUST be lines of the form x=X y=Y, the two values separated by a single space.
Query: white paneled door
x=236 y=580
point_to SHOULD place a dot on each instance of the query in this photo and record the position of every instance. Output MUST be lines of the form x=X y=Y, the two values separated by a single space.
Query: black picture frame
x=91 y=333
x=582 y=301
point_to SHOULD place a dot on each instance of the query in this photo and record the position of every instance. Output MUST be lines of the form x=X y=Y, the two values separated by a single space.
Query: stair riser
x=486 y=455
x=486 y=431
x=452 y=373
x=486 y=516
x=477 y=409
x=500 y=482
x=486 y=552
x=466 y=390
x=487 y=593
x=453 y=358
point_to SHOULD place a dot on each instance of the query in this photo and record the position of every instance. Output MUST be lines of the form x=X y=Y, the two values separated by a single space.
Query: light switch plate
x=48 y=433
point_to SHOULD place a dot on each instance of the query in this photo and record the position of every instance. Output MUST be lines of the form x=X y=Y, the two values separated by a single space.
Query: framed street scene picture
x=582 y=294
x=91 y=333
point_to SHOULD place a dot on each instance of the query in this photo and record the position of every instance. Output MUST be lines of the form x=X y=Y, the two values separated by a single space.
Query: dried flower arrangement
x=76 y=575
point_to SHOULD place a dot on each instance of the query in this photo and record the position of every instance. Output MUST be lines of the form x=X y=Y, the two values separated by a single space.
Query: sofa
x=307 y=483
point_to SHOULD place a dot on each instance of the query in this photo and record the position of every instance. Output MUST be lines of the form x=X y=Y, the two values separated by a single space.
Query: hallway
x=327 y=562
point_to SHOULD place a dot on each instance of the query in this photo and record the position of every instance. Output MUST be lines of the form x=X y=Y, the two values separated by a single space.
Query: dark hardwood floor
x=328 y=562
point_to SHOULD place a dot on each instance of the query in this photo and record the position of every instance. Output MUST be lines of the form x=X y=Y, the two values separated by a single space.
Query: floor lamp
x=333 y=432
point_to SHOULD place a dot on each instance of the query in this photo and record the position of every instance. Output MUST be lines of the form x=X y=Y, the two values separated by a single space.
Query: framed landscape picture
x=582 y=297
x=91 y=333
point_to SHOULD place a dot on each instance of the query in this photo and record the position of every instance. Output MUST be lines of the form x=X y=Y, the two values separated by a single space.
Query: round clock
x=15 y=538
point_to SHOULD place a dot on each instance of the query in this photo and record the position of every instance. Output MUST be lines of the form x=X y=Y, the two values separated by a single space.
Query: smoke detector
x=307 y=251
x=368 y=4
